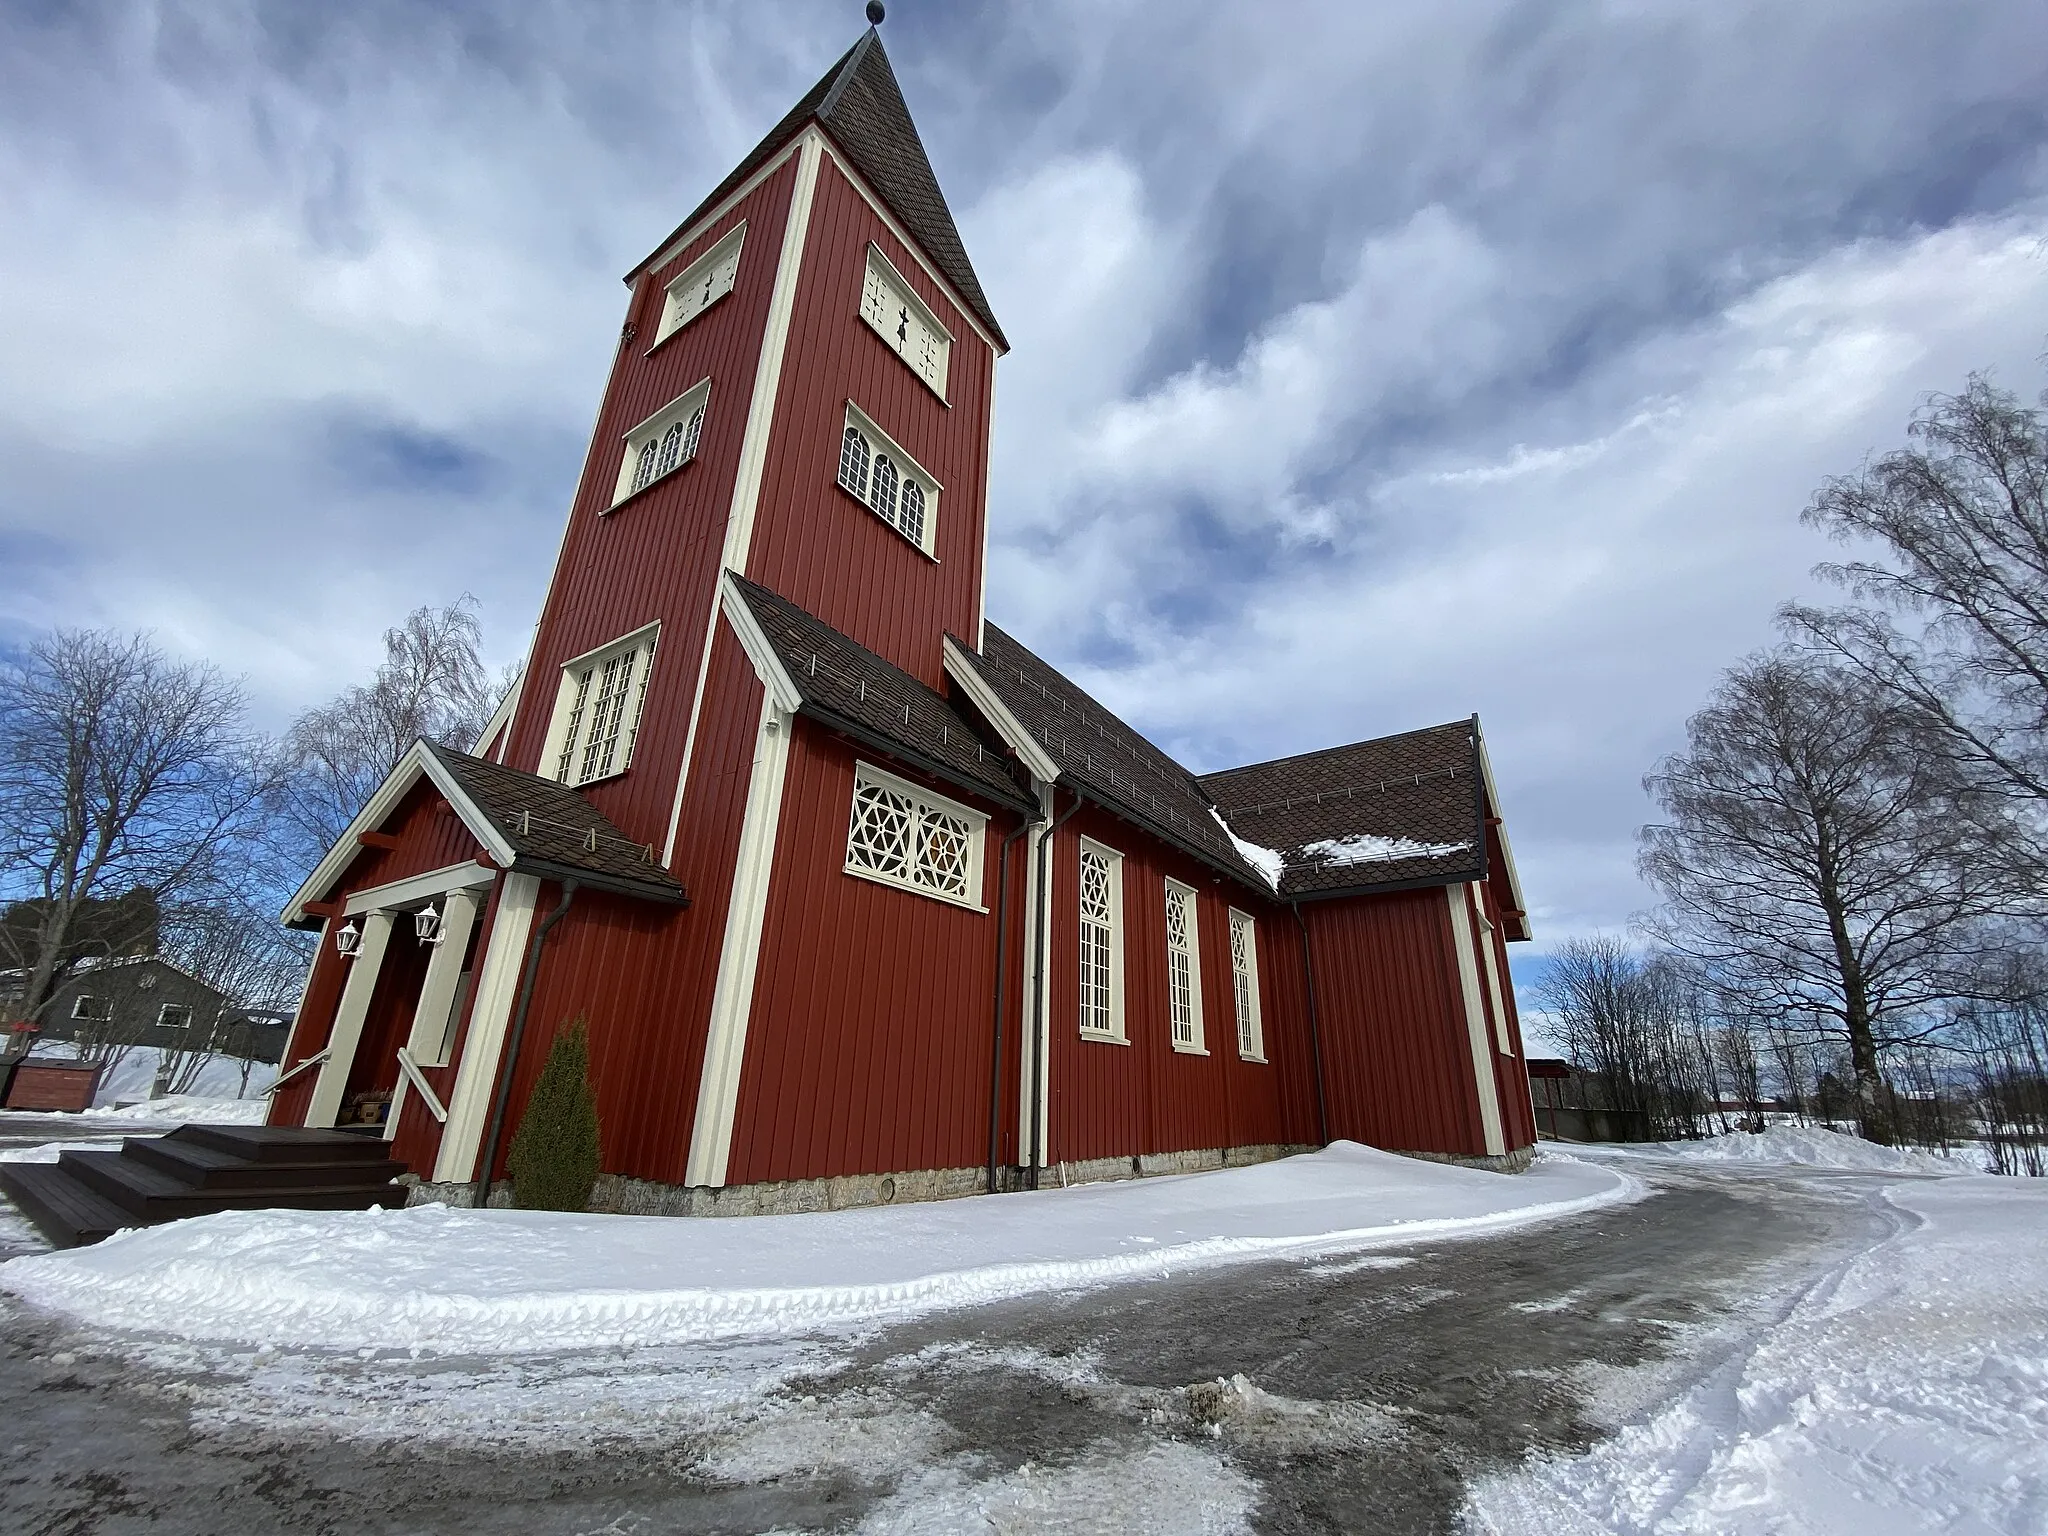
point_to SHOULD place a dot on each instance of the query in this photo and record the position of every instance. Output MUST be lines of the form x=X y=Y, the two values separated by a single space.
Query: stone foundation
x=1510 y=1162
x=620 y=1196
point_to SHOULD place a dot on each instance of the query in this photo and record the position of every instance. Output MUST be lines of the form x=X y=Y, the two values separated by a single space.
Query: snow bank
x=179 y=1109
x=1810 y=1146
x=134 y=1075
x=1907 y=1391
x=488 y=1282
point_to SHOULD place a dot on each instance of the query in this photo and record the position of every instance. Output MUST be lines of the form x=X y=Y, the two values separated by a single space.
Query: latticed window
x=1100 y=908
x=907 y=836
x=598 y=710
x=882 y=478
x=1183 y=968
x=665 y=442
x=1244 y=983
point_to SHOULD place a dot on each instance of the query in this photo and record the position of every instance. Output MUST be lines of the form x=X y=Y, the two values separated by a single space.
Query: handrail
x=310 y=1061
x=411 y=1069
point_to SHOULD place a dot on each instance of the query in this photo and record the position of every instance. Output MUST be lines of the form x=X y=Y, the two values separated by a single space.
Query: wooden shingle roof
x=859 y=103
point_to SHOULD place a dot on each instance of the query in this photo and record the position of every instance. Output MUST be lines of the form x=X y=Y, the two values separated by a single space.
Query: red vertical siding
x=869 y=1048
x=1518 y=1116
x=815 y=544
x=657 y=556
x=1396 y=1047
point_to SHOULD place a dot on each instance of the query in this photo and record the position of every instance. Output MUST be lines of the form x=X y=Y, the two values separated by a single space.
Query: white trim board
x=347 y=1032
x=418 y=888
x=498 y=980
x=1478 y=1036
x=696 y=231
x=960 y=667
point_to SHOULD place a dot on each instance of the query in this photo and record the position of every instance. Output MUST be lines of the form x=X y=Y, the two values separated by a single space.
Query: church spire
x=861 y=108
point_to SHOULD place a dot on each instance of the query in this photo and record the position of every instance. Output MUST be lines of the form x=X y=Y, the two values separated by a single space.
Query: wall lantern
x=426 y=923
x=348 y=938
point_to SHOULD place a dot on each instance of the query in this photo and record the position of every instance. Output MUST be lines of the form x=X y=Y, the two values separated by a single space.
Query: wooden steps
x=197 y=1170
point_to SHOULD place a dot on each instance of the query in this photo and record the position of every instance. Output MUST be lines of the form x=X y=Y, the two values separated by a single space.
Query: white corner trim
x=739 y=955
x=332 y=1082
x=415 y=888
x=739 y=522
x=746 y=492
x=961 y=668
x=1037 y=1009
x=1492 y=807
x=1478 y=1036
x=760 y=651
x=488 y=1017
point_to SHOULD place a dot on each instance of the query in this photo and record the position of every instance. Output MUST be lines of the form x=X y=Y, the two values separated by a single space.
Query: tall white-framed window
x=904 y=321
x=1102 y=945
x=87 y=1006
x=1244 y=985
x=886 y=480
x=902 y=834
x=703 y=283
x=1183 y=967
x=597 y=710
x=174 y=1016
x=664 y=442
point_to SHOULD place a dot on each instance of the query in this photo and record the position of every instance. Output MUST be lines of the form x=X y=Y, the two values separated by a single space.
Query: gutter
x=1039 y=1033
x=1315 y=1032
x=995 y=1074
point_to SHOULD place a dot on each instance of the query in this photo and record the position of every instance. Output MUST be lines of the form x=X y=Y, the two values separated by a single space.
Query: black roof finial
x=875 y=13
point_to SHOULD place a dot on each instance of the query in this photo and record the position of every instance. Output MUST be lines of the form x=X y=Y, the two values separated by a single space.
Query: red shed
x=858 y=897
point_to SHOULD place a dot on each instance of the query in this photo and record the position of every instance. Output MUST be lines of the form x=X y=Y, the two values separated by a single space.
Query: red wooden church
x=862 y=900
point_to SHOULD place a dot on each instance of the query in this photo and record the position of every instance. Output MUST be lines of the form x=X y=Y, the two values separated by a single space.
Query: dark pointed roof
x=859 y=103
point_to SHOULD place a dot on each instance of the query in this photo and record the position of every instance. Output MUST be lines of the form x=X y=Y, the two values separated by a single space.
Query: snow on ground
x=1810 y=1146
x=1906 y=1391
x=134 y=1075
x=181 y=1109
x=492 y=1282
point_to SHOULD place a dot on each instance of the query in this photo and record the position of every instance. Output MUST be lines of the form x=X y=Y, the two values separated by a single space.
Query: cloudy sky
x=1374 y=364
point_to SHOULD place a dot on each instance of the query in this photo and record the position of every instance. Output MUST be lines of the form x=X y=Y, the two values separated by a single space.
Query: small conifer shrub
x=554 y=1156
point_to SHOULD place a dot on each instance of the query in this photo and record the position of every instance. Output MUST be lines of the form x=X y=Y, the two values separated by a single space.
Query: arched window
x=910 y=512
x=883 y=496
x=853 y=463
x=693 y=432
x=643 y=469
x=671 y=449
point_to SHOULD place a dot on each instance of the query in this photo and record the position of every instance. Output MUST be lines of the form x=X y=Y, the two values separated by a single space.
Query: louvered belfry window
x=901 y=319
x=882 y=478
x=1183 y=968
x=906 y=836
x=1244 y=981
x=599 y=710
x=1100 y=871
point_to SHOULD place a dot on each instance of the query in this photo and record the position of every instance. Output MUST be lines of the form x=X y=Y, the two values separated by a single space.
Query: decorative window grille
x=663 y=443
x=884 y=479
x=1183 y=968
x=1101 y=907
x=174 y=1016
x=1244 y=981
x=902 y=320
x=707 y=280
x=598 y=710
x=902 y=835
x=86 y=1006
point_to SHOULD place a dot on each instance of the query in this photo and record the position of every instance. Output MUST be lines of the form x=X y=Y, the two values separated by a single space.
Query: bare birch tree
x=431 y=684
x=1949 y=617
x=121 y=772
x=1821 y=862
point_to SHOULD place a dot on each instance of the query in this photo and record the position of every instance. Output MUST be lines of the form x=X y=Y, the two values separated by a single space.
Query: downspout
x=1044 y=1004
x=1315 y=1033
x=540 y=937
x=995 y=1071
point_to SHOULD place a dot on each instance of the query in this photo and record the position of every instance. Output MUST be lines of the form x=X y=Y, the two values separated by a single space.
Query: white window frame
x=1244 y=986
x=163 y=1019
x=686 y=415
x=863 y=483
x=78 y=1002
x=1179 y=893
x=1116 y=1029
x=925 y=803
x=702 y=284
x=928 y=355
x=576 y=711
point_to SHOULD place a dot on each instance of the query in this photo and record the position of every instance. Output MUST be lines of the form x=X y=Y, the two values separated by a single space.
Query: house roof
x=859 y=103
x=528 y=824
x=1106 y=759
x=843 y=684
x=1396 y=810
x=552 y=830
